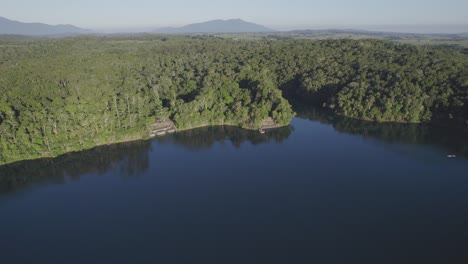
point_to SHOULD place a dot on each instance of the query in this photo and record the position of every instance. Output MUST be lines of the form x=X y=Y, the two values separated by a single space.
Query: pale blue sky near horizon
x=293 y=14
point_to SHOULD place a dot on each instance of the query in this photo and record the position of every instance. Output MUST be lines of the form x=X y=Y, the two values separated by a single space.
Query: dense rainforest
x=61 y=95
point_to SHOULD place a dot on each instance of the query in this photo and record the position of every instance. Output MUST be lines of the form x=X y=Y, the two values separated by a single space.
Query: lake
x=324 y=190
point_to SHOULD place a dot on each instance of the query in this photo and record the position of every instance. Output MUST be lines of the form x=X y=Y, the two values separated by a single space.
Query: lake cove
x=325 y=189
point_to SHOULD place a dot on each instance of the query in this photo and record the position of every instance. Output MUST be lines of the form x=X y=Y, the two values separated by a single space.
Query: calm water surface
x=334 y=191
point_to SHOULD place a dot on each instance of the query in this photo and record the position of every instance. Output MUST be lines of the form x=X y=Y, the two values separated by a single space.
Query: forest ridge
x=61 y=95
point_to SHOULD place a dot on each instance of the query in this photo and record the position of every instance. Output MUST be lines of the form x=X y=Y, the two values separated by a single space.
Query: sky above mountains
x=279 y=14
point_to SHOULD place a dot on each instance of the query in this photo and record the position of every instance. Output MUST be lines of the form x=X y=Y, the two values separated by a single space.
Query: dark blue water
x=339 y=191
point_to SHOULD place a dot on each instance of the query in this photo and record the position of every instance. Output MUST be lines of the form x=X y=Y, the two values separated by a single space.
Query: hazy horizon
x=431 y=16
x=427 y=29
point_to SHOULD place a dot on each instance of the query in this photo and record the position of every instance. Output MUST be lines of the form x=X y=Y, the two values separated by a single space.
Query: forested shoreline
x=62 y=95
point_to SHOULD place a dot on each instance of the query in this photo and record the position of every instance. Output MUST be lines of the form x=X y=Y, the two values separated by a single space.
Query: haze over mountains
x=217 y=26
x=11 y=27
x=37 y=29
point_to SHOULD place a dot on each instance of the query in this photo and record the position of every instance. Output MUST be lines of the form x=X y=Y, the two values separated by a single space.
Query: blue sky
x=274 y=13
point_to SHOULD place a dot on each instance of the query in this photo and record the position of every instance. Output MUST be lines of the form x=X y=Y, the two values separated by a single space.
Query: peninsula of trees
x=61 y=95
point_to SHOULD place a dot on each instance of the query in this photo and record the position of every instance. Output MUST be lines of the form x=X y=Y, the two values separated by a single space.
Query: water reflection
x=205 y=137
x=453 y=140
x=130 y=158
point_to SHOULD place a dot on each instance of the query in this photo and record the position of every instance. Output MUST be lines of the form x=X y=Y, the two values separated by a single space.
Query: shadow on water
x=451 y=139
x=206 y=137
x=130 y=158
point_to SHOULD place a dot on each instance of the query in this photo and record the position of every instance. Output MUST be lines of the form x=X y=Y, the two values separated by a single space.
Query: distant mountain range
x=217 y=26
x=37 y=29
x=11 y=27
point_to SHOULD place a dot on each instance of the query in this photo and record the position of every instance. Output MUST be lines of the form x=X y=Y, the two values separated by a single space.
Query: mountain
x=36 y=29
x=217 y=26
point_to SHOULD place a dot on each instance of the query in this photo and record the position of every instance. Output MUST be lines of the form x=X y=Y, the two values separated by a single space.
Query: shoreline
x=441 y=124
x=133 y=139
x=149 y=137
x=437 y=122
